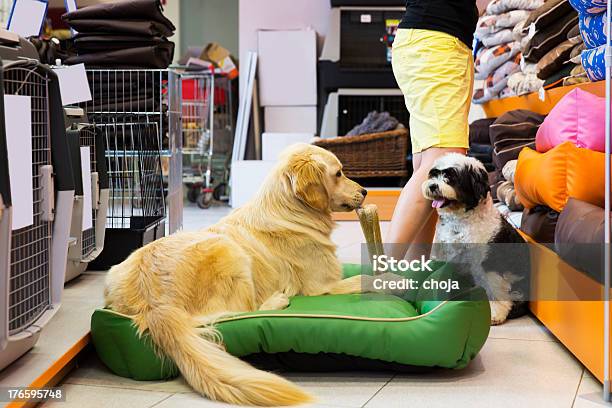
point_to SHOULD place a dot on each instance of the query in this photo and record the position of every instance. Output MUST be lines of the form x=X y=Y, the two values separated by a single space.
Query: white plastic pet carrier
x=32 y=275
x=86 y=144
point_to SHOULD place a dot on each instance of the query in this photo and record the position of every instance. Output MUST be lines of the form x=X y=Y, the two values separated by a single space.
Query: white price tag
x=542 y=94
x=532 y=31
x=18 y=124
x=73 y=82
x=366 y=18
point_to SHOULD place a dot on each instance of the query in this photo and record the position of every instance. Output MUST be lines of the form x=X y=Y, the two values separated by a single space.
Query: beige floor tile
x=92 y=372
x=88 y=286
x=191 y=400
x=195 y=218
x=590 y=393
x=341 y=389
x=523 y=328
x=83 y=396
x=70 y=324
x=196 y=401
x=507 y=373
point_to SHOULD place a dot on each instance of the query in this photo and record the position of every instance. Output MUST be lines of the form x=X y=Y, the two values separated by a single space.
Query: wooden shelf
x=384 y=198
x=532 y=101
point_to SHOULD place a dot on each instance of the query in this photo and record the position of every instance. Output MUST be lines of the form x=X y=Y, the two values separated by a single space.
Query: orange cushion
x=553 y=177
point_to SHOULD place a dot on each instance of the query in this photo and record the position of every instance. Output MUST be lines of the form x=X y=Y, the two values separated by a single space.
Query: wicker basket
x=372 y=155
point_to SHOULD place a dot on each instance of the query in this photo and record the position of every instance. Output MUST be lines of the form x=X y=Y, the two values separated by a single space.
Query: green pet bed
x=426 y=329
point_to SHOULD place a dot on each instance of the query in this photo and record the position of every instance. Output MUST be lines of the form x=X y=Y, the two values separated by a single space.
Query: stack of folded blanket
x=550 y=43
x=561 y=182
x=499 y=42
x=511 y=133
x=480 y=142
x=125 y=34
x=544 y=52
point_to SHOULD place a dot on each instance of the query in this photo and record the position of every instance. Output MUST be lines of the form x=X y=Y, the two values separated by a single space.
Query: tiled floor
x=521 y=365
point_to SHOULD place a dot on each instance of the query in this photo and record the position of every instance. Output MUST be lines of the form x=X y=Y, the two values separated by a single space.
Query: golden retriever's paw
x=278 y=301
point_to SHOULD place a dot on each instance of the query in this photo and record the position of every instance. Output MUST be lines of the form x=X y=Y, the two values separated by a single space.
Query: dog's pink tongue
x=437 y=203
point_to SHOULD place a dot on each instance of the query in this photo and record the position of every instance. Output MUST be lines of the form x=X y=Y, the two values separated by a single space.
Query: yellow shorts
x=435 y=72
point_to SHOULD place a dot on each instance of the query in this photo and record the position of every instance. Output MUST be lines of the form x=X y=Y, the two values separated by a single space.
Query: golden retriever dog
x=277 y=246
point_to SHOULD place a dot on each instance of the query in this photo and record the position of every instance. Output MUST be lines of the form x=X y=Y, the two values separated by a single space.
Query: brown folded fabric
x=557 y=78
x=85 y=43
x=122 y=10
x=479 y=131
x=548 y=14
x=549 y=37
x=512 y=132
x=577 y=50
x=137 y=27
x=158 y=56
x=574 y=32
x=579 y=237
x=554 y=59
x=540 y=223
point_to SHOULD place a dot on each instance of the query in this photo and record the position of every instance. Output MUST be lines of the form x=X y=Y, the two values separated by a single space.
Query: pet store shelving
x=578 y=324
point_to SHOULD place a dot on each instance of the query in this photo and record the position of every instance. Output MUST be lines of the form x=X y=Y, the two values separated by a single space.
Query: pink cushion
x=580 y=117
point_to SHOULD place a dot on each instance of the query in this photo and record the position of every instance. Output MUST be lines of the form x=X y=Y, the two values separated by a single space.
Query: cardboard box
x=247 y=178
x=222 y=59
x=287 y=67
x=272 y=144
x=290 y=119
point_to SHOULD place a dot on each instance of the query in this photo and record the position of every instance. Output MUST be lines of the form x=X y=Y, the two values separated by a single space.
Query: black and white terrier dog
x=471 y=232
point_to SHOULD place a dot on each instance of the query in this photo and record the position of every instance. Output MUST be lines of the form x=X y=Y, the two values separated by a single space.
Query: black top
x=455 y=17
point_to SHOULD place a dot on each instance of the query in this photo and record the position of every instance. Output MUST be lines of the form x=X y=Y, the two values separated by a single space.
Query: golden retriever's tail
x=209 y=369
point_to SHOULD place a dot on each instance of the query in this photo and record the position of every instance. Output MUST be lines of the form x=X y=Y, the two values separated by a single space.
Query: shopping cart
x=207 y=125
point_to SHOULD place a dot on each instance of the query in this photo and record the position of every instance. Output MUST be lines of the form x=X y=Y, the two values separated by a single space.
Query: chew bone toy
x=370 y=224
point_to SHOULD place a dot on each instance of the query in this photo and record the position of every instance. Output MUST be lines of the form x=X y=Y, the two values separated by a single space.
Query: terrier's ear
x=475 y=186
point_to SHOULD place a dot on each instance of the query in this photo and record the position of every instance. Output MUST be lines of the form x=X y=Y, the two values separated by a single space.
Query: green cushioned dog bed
x=388 y=331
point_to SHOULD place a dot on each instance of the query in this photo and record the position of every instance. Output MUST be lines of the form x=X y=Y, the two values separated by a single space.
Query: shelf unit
x=578 y=324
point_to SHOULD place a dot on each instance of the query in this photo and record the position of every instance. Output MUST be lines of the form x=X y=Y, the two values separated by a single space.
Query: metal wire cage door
x=85 y=139
x=131 y=108
x=30 y=263
x=134 y=167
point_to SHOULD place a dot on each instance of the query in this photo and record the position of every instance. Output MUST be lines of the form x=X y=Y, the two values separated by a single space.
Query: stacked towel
x=126 y=34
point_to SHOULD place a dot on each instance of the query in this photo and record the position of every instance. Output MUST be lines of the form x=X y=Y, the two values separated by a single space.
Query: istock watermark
x=384 y=263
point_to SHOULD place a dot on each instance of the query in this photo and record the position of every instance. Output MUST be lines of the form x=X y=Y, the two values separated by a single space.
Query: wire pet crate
x=32 y=279
x=87 y=243
x=131 y=109
x=136 y=204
